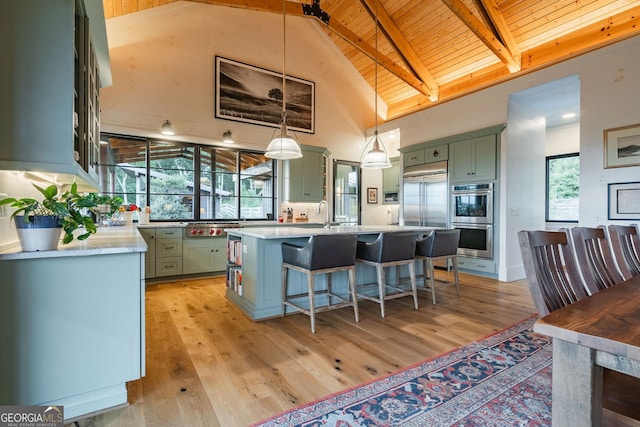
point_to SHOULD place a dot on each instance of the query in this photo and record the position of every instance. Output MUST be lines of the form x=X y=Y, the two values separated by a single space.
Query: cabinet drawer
x=168 y=247
x=436 y=154
x=170 y=266
x=414 y=158
x=169 y=233
x=477 y=264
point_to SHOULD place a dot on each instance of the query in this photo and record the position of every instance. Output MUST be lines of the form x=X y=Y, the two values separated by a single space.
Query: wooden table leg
x=577 y=386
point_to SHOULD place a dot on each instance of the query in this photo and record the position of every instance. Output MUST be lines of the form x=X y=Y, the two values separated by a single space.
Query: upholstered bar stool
x=439 y=245
x=322 y=254
x=389 y=249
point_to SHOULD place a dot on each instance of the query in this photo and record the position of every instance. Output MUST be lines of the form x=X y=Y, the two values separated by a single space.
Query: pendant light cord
x=375 y=71
x=284 y=56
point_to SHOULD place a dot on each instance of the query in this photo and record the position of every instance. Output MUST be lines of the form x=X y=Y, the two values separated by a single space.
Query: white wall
x=522 y=201
x=563 y=140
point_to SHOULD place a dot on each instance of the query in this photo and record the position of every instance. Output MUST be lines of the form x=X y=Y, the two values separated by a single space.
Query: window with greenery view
x=182 y=181
x=563 y=188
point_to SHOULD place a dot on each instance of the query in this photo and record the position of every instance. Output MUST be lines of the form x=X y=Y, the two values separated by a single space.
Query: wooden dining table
x=600 y=331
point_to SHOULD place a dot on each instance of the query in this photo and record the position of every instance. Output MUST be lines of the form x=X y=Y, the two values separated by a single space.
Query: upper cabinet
x=49 y=103
x=307 y=176
x=473 y=160
x=426 y=155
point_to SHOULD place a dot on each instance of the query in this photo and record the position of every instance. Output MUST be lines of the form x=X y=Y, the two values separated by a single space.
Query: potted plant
x=39 y=223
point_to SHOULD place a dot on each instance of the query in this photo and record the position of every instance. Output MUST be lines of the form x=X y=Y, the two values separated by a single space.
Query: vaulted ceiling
x=429 y=51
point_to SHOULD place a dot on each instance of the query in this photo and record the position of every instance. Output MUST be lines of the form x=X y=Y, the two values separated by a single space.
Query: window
x=563 y=188
x=183 y=181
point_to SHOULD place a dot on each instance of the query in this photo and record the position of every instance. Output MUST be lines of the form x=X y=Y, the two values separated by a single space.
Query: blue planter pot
x=41 y=233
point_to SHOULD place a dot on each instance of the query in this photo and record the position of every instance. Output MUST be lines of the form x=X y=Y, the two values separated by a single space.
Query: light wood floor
x=209 y=365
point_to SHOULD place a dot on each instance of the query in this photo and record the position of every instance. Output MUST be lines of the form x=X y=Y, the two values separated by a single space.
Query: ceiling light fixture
x=377 y=157
x=166 y=128
x=227 y=138
x=283 y=145
x=568 y=115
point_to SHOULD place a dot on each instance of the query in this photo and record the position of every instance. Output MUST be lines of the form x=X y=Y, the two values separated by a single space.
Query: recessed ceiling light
x=568 y=115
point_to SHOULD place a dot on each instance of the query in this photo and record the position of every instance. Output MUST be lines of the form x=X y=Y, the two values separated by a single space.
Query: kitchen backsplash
x=13 y=184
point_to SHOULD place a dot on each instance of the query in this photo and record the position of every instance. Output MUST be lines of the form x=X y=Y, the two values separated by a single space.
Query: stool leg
x=312 y=307
x=455 y=274
x=432 y=280
x=381 y=287
x=424 y=272
x=285 y=270
x=352 y=289
x=412 y=275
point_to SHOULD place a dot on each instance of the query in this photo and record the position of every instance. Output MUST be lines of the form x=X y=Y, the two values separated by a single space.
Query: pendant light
x=167 y=128
x=377 y=157
x=283 y=145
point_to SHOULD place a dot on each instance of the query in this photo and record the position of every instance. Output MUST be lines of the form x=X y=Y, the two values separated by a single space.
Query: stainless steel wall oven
x=472 y=214
x=476 y=240
x=472 y=203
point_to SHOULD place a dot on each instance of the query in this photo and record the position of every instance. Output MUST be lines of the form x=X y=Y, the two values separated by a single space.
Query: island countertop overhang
x=297 y=232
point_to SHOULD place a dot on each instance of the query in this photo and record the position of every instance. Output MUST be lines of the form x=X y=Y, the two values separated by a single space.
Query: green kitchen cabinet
x=307 y=176
x=149 y=236
x=473 y=160
x=49 y=108
x=204 y=255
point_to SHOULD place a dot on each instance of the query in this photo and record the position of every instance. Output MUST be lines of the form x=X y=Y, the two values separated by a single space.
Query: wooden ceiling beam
x=402 y=46
x=483 y=33
x=499 y=24
x=296 y=9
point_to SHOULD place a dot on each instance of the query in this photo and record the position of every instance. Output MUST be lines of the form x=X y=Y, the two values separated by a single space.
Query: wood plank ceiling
x=431 y=51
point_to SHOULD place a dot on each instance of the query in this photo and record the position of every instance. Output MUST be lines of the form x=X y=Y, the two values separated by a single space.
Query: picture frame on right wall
x=622 y=147
x=624 y=201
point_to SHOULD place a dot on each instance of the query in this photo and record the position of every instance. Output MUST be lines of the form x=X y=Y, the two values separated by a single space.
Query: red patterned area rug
x=501 y=380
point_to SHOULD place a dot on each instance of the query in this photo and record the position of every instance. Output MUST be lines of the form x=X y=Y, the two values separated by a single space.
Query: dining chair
x=625 y=245
x=594 y=260
x=438 y=245
x=390 y=249
x=551 y=271
x=554 y=283
x=322 y=254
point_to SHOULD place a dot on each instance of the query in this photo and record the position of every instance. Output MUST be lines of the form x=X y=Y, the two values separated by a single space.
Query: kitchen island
x=72 y=322
x=254 y=275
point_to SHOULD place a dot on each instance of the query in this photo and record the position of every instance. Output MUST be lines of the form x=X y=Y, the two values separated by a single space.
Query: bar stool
x=439 y=245
x=321 y=254
x=389 y=249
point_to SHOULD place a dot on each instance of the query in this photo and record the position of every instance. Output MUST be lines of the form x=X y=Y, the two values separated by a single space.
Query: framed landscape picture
x=622 y=147
x=250 y=94
x=624 y=201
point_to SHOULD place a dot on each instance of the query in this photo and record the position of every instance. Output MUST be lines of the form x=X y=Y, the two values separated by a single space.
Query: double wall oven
x=472 y=213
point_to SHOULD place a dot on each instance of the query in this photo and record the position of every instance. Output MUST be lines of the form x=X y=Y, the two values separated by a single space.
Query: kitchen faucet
x=327 y=221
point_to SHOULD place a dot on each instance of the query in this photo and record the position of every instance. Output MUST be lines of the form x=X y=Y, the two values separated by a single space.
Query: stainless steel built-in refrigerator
x=426 y=195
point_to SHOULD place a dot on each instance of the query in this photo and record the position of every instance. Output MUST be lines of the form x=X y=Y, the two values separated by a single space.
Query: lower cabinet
x=478 y=265
x=149 y=236
x=73 y=331
x=168 y=252
x=171 y=255
x=203 y=255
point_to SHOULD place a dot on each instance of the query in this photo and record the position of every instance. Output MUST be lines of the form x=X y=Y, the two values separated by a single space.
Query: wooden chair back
x=625 y=245
x=593 y=258
x=551 y=271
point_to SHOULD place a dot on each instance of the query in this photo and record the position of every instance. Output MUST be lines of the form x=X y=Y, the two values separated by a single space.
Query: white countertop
x=294 y=232
x=107 y=240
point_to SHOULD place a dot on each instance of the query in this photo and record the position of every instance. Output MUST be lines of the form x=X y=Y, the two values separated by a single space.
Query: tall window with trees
x=563 y=188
